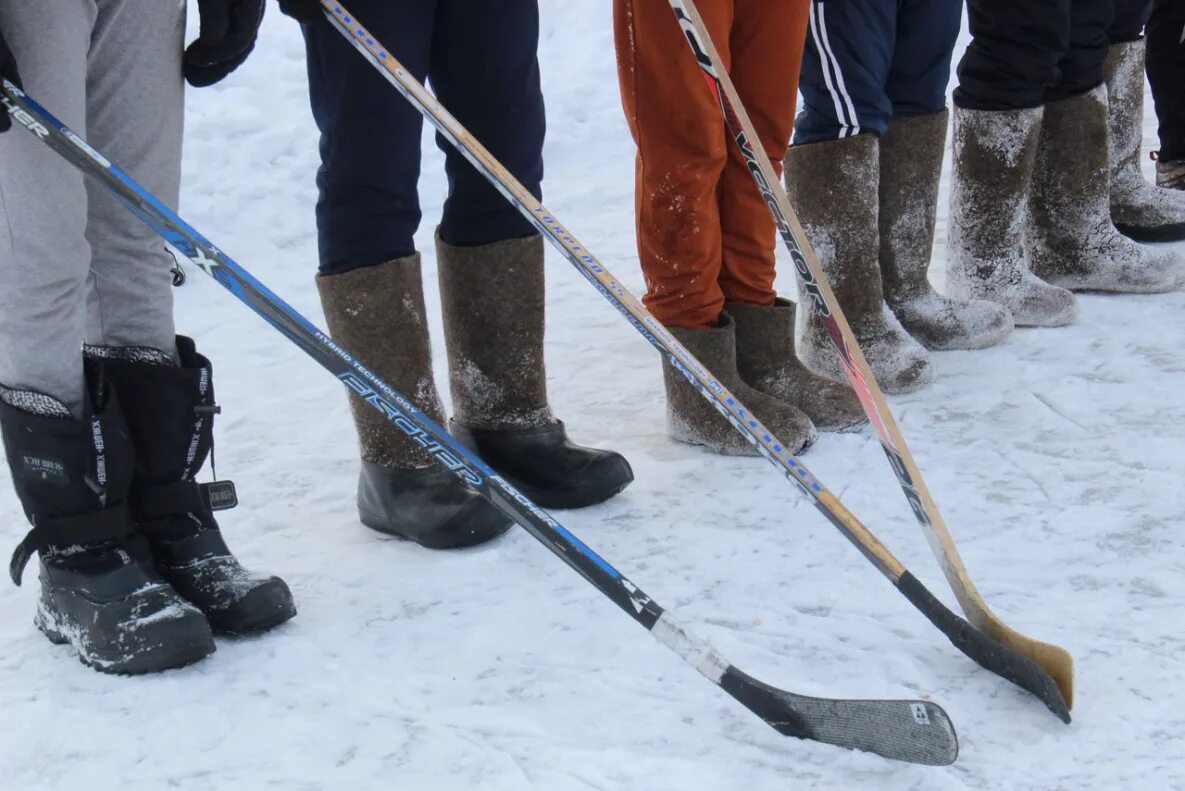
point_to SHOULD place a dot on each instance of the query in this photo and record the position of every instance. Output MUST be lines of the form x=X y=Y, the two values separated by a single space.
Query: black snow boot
x=493 y=299
x=170 y=412
x=72 y=477
x=377 y=314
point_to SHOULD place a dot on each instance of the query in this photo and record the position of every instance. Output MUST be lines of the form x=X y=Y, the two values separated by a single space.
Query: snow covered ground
x=1056 y=459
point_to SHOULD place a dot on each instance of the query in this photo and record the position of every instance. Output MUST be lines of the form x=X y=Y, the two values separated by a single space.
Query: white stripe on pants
x=845 y=110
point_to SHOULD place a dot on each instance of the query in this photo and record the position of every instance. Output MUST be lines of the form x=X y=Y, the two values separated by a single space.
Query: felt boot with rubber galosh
x=492 y=297
x=377 y=314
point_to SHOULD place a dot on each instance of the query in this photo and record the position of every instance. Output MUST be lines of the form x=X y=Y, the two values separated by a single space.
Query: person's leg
x=369 y=278
x=1080 y=69
x=1013 y=56
x=1129 y=18
x=65 y=437
x=135 y=116
x=832 y=185
x=682 y=150
x=848 y=51
x=1139 y=209
x=135 y=110
x=484 y=68
x=766 y=43
x=368 y=207
x=1070 y=236
x=911 y=153
x=44 y=253
x=1166 y=64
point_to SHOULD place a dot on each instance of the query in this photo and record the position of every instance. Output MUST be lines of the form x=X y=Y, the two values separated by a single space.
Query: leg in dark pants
x=1081 y=67
x=484 y=70
x=1130 y=17
x=849 y=51
x=1014 y=53
x=1166 y=67
x=920 y=69
x=368 y=208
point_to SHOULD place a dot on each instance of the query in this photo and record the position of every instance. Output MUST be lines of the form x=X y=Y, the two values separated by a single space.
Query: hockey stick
x=905 y=730
x=1055 y=660
x=991 y=655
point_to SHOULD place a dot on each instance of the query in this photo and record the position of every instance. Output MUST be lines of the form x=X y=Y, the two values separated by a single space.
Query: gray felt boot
x=1140 y=209
x=833 y=188
x=766 y=361
x=911 y=162
x=493 y=299
x=994 y=153
x=377 y=314
x=1070 y=239
x=693 y=419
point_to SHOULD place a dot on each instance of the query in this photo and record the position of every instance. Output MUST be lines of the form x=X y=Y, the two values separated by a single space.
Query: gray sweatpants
x=75 y=265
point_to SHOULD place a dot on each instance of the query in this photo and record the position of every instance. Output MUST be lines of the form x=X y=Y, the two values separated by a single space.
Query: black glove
x=7 y=71
x=301 y=10
x=228 y=32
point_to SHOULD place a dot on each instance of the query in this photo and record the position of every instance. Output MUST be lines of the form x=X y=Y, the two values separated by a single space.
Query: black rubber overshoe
x=548 y=467
x=430 y=507
x=118 y=616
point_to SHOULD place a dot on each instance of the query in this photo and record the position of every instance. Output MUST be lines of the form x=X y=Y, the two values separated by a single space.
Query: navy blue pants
x=867 y=61
x=1025 y=53
x=480 y=60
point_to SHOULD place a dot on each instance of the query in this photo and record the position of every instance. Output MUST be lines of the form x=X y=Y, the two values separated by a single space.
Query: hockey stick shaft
x=1014 y=668
x=1055 y=660
x=916 y=731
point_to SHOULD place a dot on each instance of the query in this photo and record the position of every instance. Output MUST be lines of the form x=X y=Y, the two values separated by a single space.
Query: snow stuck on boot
x=1139 y=209
x=910 y=166
x=1070 y=238
x=993 y=163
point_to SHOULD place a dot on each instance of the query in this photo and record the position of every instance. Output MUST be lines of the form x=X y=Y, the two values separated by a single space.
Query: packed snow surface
x=1058 y=459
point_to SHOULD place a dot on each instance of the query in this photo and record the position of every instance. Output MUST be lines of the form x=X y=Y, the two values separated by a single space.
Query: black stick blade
x=915 y=731
x=986 y=652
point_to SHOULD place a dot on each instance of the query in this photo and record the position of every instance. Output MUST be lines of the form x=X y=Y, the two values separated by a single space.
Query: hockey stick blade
x=988 y=653
x=915 y=731
x=471 y=470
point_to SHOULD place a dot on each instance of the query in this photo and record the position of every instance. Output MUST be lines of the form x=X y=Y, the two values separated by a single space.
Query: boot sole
x=561 y=501
x=177 y=645
x=750 y=449
x=441 y=538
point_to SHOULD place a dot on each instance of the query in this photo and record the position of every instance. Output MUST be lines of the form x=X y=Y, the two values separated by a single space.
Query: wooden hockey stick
x=1054 y=659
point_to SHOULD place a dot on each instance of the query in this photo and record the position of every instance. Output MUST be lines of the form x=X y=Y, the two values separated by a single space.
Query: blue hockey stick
x=907 y=730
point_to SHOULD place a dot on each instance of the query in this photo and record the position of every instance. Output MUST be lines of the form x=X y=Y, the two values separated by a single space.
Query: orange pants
x=705 y=237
